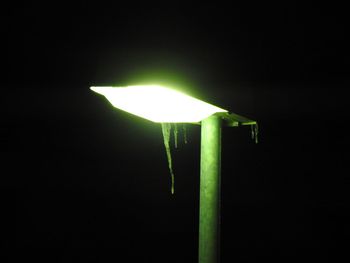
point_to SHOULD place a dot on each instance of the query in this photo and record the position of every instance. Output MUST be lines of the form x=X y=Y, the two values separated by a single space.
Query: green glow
x=158 y=104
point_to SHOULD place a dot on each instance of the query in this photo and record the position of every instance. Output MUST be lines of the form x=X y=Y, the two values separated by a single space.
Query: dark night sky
x=89 y=183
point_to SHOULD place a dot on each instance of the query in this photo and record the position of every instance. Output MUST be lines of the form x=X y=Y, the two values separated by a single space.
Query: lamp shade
x=158 y=104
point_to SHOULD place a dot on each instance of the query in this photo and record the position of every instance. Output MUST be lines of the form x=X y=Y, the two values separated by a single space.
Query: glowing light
x=158 y=104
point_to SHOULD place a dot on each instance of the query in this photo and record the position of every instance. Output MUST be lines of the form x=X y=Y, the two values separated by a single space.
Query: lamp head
x=158 y=104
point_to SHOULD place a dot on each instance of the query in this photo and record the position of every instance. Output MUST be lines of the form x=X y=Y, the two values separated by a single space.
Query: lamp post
x=209 y=195
x=163 y=105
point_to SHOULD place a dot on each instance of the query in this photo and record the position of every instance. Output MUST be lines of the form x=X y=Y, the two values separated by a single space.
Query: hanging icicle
x=184 y=133
x=254 y=132
x=175 y=134
x=166 y=130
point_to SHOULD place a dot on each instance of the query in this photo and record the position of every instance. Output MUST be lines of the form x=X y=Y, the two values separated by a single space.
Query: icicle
x=175 y=134
x=166 y=130
x=184 y=133
x=254 y=132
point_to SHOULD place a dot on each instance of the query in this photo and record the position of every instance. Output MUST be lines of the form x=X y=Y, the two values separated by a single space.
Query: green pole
x=209 y=201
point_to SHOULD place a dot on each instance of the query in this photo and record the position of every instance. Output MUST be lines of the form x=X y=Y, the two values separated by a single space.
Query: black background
x=82 y=182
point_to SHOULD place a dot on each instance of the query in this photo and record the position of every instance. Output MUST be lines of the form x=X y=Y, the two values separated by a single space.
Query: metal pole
x=209 y=206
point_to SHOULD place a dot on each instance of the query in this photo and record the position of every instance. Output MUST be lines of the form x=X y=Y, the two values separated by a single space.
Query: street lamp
x=163 y=105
